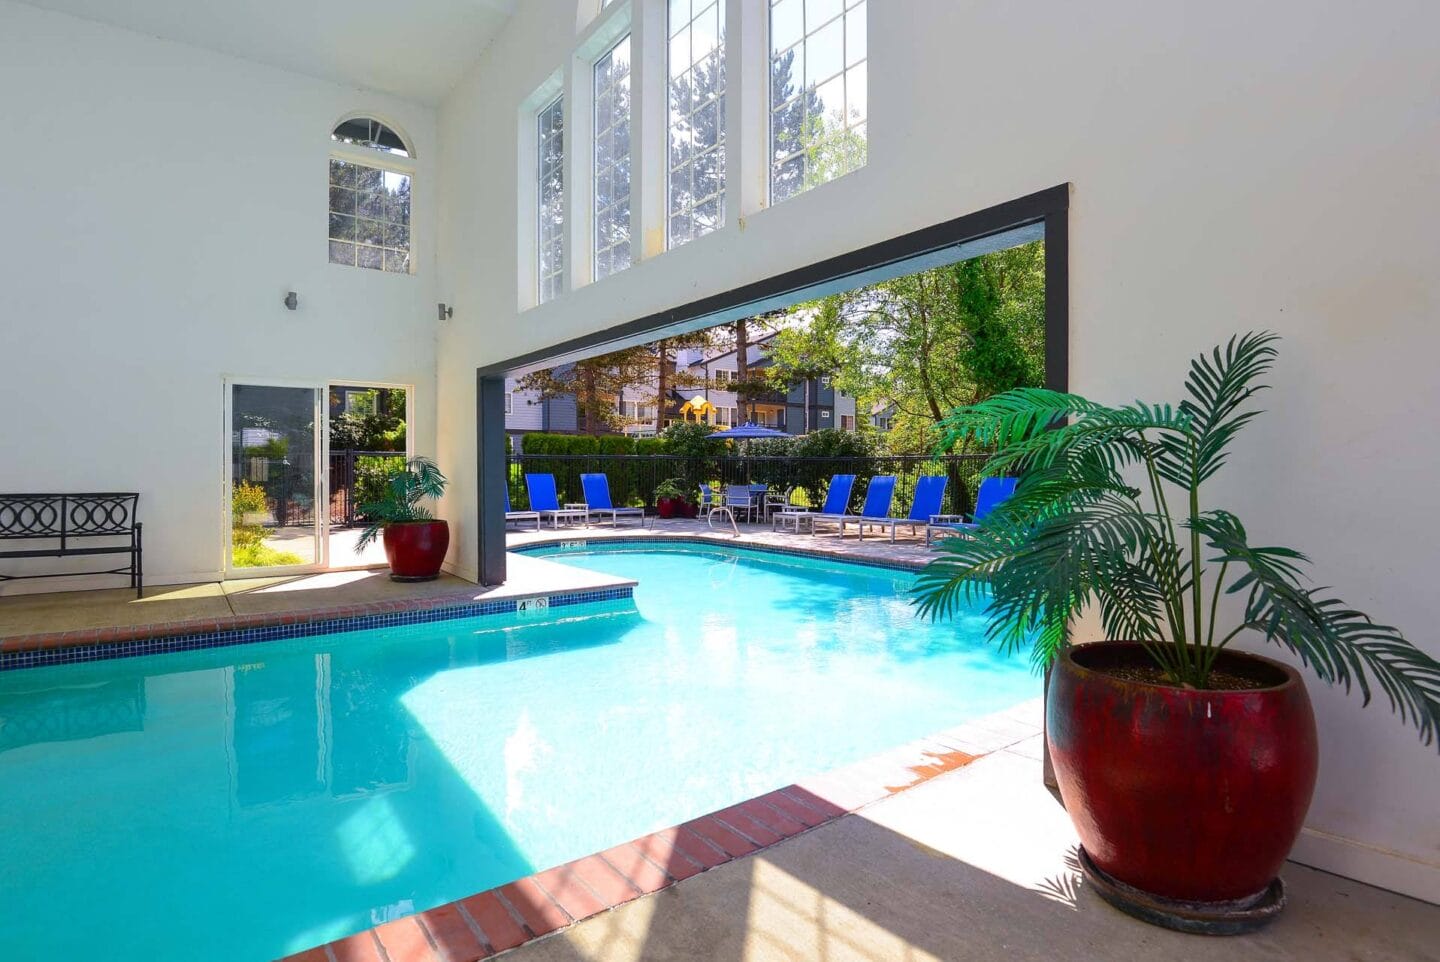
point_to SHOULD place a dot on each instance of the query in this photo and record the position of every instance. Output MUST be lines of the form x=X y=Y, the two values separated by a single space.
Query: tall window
x=550 y=233
x=697 y=118
x=370 y=203
x=612 y=160
x=818 y=95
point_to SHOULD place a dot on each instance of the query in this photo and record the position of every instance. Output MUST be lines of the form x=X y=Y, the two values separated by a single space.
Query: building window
x=824 y=415
x=847 y=422
x=509 y=402
x=818 y=92
x=360 y=402
x=722 y=377
x=612 y=160
x=696 y=165
x=550 y=200
x=370 y=202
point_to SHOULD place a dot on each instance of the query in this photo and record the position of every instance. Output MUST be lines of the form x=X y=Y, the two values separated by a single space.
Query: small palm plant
x=1077 y=532
x=402 y=498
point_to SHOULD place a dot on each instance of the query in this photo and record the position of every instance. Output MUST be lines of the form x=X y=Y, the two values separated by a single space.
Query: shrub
x=246 y=498
x=688 y=439
x=274 y=449
x=833 y=443
x=372 y=476
x=263 y=556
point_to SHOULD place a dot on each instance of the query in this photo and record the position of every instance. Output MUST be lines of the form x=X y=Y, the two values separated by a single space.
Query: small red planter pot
x=416 y=549
x=1187 y=802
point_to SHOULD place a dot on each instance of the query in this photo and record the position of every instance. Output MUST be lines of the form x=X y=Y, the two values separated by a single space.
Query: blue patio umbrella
x=748 y=432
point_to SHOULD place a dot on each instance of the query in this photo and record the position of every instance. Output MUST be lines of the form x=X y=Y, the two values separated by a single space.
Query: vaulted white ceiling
x=415 y=49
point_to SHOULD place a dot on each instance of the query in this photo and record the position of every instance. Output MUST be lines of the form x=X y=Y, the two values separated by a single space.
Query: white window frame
x=861 y=8
x=721 y=147
x=377 y=160
x=542 y=239
x=596 y=211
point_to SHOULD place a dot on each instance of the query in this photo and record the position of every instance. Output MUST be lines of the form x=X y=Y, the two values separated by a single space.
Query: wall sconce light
x=446 y=312
x=292 y=300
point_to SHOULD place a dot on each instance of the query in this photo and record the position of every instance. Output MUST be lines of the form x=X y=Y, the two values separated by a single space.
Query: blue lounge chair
x=992 y=492
x=518 y=516
x=924 y=508
x=837 y=501
x=545 y=501
x=597 y=499
x=878 y=495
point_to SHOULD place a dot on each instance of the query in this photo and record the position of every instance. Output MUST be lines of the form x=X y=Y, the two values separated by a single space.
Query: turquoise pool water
x=259 y=799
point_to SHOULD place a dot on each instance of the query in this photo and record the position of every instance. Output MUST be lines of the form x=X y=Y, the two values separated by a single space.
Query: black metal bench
x=68 y=519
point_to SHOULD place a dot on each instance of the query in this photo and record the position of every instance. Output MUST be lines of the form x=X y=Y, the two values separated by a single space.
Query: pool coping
x=497 y=920
x=723 y=541
x=19 y=652
x=43 y=649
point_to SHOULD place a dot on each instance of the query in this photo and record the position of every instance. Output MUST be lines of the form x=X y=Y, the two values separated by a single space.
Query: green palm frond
x=1341 y=645
x=403 y=500
x=1092 y=522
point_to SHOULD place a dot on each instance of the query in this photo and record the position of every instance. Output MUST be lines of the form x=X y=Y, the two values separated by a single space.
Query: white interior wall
x=1234 y=166
x=158 y=201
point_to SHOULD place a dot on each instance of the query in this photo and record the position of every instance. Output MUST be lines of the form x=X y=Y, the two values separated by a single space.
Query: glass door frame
x=330 y=384
x=321 y=480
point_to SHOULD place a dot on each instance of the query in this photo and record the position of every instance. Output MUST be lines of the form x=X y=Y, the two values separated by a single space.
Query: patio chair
x=738 y=497
x=837 y=499
x=546 y=502
x=992 y=492
x=878 y=495
x=924 y=508
x=518 y=516
x=597 y=496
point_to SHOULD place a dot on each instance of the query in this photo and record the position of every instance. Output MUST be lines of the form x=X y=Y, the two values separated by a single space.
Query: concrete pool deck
x=977 y=864
x=73 y=618
x=906 y=550
x=97 y=616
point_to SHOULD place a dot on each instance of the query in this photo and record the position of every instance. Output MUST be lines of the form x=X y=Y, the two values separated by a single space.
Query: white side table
x=794 y=520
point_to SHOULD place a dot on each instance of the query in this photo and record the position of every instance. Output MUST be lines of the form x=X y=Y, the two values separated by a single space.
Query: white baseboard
x=1371 y=864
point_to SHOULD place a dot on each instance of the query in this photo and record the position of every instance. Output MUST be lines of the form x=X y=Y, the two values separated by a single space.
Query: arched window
x=370 y=178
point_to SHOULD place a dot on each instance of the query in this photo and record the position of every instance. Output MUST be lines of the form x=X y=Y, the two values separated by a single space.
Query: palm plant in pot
x=1186 y=765
x=415 y=542
x=670 y=500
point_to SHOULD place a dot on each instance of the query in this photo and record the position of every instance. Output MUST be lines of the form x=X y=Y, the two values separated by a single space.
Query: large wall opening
x=1036 y=217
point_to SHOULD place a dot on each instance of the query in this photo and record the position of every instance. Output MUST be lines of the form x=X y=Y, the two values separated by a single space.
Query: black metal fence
x=289 y=484
x=633 y=478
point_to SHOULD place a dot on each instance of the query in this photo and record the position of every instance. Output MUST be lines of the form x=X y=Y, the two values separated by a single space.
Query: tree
x=596 y=384
x=933 y=341
x=746 y=386
x=667 y=376
x=801 y=355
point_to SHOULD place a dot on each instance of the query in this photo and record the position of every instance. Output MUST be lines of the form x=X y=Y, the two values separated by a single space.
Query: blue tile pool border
x=226 y=637
x=559 y=547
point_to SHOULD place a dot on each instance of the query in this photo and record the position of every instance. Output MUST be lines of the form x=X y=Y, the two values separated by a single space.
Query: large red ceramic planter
x=1186 y=802
x=416 y=549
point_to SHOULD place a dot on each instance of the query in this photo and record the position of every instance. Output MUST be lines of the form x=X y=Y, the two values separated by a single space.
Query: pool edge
x=20 y=652
x=539 y=905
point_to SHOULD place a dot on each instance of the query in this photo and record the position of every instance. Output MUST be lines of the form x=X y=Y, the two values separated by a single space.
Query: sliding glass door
x=276 y=491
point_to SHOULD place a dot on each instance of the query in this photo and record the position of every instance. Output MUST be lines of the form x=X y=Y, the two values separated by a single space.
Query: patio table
x=793 y=519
